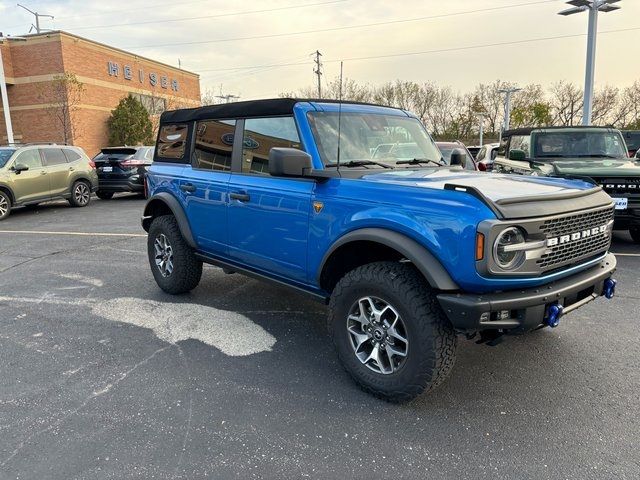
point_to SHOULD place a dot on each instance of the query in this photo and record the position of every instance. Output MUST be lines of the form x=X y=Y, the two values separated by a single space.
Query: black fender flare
x=177 y=211
x=425 y=261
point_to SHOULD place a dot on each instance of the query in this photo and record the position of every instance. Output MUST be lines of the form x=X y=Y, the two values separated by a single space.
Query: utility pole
x=318 y=71
x=3 y=92
x=593 y=7
x=228 y=98
x=507 y=106
x=37 y=15
x=480 y=116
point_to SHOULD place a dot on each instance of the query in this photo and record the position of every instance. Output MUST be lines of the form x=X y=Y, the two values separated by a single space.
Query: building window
x=260 y=136
x=154 y=105
x=214 y=144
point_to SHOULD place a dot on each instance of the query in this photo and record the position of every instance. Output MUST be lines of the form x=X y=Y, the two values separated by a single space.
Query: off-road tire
x=635 y=234
x=74 y=199
x=187 y=269
x=5 y=201
x=432 y=340
x=104 y=195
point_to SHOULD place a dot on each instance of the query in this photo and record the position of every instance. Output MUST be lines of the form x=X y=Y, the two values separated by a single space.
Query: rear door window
x=214 y=144
x=53 y=156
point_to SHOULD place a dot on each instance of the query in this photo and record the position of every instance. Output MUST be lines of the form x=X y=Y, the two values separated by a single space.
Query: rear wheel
x=635 y=234
x=5 y=205
x=390 y=332
x=104 y=195
x=80 y=194
x=173 y=262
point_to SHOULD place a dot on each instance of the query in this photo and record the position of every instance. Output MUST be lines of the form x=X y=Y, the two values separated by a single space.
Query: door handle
x=71 y=169
x=43 y=172
x=188 y=187
x=240 y=196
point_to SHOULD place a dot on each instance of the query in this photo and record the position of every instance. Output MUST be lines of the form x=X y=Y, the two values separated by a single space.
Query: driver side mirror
x=458 y=157
x=289 y=162
x=638 y=154
x=518 y=155
x=20 y=167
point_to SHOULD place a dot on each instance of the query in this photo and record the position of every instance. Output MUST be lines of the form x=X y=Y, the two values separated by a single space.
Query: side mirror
x=638 y=154
x=20 y=167
x=458 y=157
x=289 y=162
x=518 y=155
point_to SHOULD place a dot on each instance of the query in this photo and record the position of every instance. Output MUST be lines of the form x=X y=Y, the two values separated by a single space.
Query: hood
x=596 y=167
x=508 y=196
x=495 y=187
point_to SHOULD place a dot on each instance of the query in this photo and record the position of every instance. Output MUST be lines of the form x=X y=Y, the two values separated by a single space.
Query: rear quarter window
x=72 y=155
x=172 y=143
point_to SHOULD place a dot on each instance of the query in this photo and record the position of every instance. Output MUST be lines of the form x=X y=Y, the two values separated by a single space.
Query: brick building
x=106 y=75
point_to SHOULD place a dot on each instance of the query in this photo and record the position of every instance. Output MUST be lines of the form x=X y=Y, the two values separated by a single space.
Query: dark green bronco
x=591 y=153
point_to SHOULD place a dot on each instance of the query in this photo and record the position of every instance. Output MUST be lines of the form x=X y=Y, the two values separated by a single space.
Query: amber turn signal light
x=479 y=246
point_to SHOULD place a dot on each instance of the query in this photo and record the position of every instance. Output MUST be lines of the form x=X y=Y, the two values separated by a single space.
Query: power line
x=424 y=52
x=203 y=17
x=348 y=27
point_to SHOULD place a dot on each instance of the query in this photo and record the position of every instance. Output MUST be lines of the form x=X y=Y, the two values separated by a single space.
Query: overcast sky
x=291 y=31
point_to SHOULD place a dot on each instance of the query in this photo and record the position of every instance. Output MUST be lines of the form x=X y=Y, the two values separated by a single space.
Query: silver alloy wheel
x=4 y=206
x=164 y=255
x=378 y=335
x=82 y=194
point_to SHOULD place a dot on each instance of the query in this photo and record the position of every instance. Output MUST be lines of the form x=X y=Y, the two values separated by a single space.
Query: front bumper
x=523 y=310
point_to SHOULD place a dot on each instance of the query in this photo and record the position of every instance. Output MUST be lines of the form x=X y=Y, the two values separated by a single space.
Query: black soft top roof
x=247 y=109
x=528 y=130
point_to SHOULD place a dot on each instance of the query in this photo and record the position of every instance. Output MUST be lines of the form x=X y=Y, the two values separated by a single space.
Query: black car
x=122 y=169
x=632 y=139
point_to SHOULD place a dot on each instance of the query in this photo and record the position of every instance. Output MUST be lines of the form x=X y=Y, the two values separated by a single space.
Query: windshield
x=364 y=136
x=5 y=155
x=572 y=144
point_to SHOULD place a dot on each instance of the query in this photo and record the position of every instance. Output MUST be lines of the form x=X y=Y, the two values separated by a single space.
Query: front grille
x=578 y=249
x=618 y=186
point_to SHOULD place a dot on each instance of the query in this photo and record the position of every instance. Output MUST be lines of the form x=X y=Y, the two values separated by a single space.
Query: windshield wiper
x=418 y=161
x=360 y=163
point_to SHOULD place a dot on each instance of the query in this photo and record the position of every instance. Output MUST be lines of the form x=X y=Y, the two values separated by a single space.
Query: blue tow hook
x=609 y=288
x=553 y=315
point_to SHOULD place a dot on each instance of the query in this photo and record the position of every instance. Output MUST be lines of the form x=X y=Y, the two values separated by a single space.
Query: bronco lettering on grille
x=554 y=241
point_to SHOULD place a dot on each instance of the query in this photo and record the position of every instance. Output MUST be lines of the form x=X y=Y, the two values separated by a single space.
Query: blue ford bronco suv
x=407 y=251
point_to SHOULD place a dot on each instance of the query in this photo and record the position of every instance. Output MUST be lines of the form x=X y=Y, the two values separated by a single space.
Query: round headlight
x=504 y=257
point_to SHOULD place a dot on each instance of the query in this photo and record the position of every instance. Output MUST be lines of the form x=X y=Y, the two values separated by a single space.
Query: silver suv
x=33 y=174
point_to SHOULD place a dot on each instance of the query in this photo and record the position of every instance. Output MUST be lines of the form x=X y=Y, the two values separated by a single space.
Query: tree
x=63 y=96
x=566 y=103
x=129 y=124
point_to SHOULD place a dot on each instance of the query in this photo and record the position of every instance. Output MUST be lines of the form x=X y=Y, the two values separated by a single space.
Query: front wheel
x=173 y=262
x=5 y=205
x=390 y=332
x=80 y=194
x=635 y=234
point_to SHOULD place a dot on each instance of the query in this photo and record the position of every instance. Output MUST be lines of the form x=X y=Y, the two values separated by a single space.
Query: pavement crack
x=86 y=401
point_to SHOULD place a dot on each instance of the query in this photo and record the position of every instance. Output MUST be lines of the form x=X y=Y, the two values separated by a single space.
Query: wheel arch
x=375 y=244
x=165 y=204
x=9 y=192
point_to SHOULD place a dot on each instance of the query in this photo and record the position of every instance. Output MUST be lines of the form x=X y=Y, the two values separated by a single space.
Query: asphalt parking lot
x=104 y=376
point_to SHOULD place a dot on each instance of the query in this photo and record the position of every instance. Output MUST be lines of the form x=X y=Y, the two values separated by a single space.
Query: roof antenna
x=339 y=118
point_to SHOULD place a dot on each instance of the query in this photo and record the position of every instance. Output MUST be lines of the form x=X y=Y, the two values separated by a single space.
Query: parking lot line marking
x=80 y=234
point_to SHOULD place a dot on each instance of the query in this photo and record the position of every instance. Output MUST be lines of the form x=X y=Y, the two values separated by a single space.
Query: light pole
x=593 y=7
x=3 y=92
x=507 y=107
x=480 y=116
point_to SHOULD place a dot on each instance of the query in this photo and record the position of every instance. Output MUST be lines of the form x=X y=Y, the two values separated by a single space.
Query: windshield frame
x=4 y=160
x=390 y=120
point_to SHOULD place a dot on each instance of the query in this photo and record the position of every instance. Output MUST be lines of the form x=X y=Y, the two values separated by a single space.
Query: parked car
x=596 y=154
x=33 y=174
x=486 y=156
x=632 y=139
x=406 y=253
x=122 y=169
x=447 y=148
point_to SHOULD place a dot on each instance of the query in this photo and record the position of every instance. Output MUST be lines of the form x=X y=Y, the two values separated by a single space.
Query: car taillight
x=92 y=164
x=482 y=167
x=132 y=163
